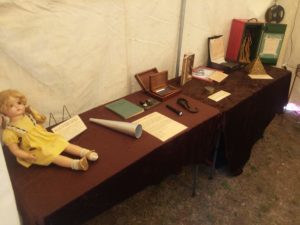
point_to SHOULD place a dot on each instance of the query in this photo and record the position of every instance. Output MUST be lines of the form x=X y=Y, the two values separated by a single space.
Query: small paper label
x=219 y=95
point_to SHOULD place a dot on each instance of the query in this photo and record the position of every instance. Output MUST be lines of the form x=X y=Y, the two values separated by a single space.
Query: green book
x=124 y=108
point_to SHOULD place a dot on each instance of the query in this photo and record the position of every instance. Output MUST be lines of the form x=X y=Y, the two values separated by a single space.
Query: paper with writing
x=271 y=45
x=70 y=128
x=160 y=126
x=219 y=95
x=218 y=76
x=217 y=50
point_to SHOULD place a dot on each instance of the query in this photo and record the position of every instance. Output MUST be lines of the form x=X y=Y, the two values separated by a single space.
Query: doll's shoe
x=83 y=164
x=91 y=155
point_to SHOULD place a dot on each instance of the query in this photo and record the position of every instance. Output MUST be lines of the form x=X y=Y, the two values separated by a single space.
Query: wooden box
x=155 y=84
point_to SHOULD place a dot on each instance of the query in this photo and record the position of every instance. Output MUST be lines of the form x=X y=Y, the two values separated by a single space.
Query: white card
x=70 y=128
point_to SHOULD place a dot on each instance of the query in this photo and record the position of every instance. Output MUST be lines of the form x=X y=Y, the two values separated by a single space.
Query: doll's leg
x=82 y=152
x=75 y=164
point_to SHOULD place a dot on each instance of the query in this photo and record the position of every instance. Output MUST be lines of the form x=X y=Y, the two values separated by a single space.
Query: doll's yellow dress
x=33 y=138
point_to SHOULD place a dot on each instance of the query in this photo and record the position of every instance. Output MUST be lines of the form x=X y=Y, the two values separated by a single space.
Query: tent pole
x=181 y=25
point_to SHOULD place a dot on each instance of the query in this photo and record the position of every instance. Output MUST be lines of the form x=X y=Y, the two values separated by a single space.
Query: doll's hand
x=30 y=157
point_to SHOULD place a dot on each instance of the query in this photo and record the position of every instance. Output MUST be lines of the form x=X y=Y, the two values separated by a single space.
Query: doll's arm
x=19 y=153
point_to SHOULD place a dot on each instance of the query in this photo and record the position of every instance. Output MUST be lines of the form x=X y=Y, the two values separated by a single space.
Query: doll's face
x=14 y=107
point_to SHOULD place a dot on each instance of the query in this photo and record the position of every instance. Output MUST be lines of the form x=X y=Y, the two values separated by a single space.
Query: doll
x=30 y=142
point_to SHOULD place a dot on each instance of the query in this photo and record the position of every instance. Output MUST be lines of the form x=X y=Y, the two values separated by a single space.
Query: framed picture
x=187 y=68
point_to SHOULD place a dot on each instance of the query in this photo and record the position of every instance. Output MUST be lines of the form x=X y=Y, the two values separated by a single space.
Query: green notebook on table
x=124 y=108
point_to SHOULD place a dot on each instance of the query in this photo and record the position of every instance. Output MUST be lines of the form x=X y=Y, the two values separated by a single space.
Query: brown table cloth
x=54 y=195
x=247 y=111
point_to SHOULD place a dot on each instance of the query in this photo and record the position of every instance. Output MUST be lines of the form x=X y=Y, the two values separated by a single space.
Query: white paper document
x=271 y=45
x=160 y=126
x=260 y=76
x=219 y=95
x=217 y=50
x=70 y=128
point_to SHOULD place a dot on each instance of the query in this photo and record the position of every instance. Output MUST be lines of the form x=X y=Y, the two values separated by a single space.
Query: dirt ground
x=267 y=193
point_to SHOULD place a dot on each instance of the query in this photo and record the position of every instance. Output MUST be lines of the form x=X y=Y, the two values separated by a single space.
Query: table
x=246 y=112
x=54 y=195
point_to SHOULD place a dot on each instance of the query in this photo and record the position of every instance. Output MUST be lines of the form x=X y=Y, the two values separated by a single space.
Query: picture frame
x=187 y=68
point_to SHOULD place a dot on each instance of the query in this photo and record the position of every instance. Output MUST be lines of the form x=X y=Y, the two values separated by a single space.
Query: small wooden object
x=155 y=84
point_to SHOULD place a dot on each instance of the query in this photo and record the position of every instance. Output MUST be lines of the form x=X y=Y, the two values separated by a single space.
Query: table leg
x=195 y=175
x=213 y=166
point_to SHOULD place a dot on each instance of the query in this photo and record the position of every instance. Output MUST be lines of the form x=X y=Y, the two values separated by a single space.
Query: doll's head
x=13 y=103
x=8 y=97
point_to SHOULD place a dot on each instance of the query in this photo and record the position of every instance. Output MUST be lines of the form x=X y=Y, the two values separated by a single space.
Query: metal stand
x=212 y=169
x=213 y=166
x=195 y=175
x=297 y=74
x=64 y=111
x=51 y=117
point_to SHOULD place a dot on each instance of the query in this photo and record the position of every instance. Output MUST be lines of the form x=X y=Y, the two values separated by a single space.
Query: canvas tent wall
x=85 y=53
x=82 y=53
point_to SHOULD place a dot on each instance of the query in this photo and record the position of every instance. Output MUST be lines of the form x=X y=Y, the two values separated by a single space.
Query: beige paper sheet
x=160 y=126
x=260 y=76
x=219 y=95
x=218 y=76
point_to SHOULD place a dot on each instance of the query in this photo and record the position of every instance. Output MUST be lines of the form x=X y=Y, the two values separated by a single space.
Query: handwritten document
x=219 y=95
x=160 y=126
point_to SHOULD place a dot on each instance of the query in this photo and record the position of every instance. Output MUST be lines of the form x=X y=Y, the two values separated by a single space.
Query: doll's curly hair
x=5 y=102
x=5 y=98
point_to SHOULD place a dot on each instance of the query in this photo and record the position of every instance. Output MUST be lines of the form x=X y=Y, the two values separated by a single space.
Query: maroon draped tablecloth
x=54 y=195
x=247 y=111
